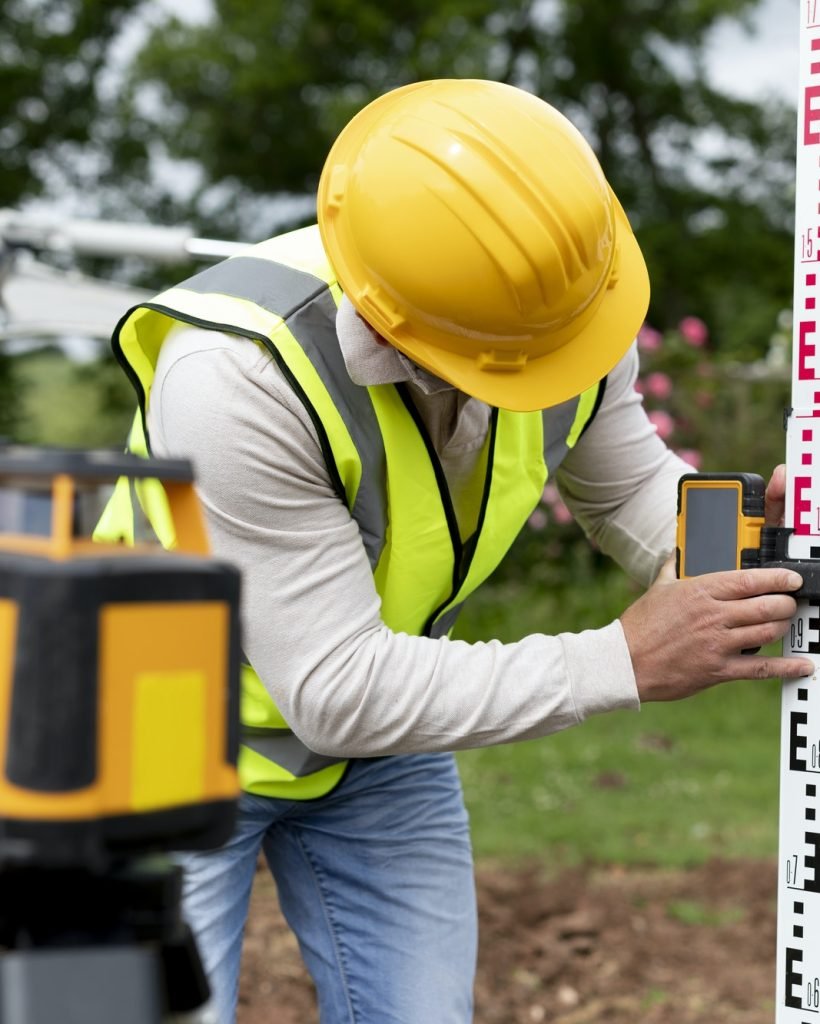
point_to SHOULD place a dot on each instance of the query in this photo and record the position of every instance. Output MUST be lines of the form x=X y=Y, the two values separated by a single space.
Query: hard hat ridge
x=467 y=153
x=470 y=223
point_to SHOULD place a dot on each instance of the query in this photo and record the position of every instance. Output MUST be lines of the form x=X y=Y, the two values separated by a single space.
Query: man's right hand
x=687 y=635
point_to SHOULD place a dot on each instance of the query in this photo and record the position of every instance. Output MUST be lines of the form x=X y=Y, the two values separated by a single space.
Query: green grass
x=672 y=785
x=698 y=915
x=72 y=404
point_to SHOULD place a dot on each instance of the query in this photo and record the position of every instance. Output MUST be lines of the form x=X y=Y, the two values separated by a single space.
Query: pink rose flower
x=560 y=512
x=537 y=519
x=694 y=458
x=649 y=339
x=659 y=385
x=550 y=495
x=694 y=331
x=663 y=422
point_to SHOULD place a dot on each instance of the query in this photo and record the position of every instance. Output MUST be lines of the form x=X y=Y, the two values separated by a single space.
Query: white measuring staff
x=798 y=891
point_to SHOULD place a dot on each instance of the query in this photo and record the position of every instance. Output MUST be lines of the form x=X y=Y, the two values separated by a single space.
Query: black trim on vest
x=472 y=541
x=447 y=620
x=598 y=400
x=324 y=442
x=127 y=369
x=462 y=552
x=441 y=480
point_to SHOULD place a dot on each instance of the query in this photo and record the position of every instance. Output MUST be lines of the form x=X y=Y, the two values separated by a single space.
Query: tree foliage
x=226 y=121
x=707 y=178
x=51 y=56
x=255 y=95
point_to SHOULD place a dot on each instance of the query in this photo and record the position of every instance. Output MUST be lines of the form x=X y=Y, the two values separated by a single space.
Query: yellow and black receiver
x=720 y=517
x=118 y=667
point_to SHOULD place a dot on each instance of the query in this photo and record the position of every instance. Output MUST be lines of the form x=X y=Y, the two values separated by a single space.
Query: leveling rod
x=798 y=890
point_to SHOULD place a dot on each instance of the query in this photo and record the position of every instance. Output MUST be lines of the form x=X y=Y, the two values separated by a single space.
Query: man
x=373 y=408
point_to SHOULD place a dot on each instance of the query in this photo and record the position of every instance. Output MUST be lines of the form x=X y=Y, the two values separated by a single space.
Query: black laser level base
x=107 y=948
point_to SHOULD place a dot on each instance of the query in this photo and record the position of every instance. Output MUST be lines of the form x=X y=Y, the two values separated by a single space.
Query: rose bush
x=716 y=413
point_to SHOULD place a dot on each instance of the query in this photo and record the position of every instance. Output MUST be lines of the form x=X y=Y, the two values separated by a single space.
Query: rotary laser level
x=118 y=738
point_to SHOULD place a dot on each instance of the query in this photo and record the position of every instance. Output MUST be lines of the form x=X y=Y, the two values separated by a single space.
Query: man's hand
x=686 y=635
x=776 y=497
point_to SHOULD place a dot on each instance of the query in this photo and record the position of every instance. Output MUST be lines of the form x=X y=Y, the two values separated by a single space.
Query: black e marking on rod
x=793 y=978
x=814 y=620
x=796 y=741
x=812 y=862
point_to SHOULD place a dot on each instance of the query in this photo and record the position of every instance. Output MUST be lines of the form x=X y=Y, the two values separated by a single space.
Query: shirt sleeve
x=620 y=481
x=347 y=685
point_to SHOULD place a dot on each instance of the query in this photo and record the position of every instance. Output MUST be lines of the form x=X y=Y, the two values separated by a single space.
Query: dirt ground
x=584 y=947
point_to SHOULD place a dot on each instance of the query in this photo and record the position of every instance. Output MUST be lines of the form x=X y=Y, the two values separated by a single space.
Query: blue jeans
x=375 y=880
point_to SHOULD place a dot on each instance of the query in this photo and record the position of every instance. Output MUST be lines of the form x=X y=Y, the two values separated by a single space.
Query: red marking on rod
x=807 y=435
x=811 y=136
x=805 y=351
x=811 y=279
x=814 y=68
x=801 y=505
x=815 y=43
x=810 y=303
x=806 y=460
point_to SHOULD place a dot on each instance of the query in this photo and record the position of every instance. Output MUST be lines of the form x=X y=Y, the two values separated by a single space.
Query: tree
x=254 y=96
x=248 y=102
x=53 y=52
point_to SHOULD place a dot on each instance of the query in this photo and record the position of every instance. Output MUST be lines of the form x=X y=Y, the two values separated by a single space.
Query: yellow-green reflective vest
x=283 y=294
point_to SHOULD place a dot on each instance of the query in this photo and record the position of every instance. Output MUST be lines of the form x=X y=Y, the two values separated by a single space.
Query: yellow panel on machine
x=118 y=666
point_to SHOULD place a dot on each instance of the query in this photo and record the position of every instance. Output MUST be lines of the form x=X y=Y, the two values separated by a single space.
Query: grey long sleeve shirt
x=347 y=685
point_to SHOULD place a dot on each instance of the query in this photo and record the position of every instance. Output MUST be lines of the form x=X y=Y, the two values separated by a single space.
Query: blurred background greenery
x=219 y=114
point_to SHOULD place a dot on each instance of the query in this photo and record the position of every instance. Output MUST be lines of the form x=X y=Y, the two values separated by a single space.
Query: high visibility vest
x=283 y=294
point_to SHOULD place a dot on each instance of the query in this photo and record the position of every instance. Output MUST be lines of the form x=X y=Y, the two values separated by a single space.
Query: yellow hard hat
x=470 y=224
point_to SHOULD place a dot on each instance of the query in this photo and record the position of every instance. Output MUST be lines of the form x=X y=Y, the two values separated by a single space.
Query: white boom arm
x=39 y=301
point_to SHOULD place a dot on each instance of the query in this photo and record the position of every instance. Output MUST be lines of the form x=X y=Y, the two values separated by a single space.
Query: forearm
x=349 y=686
x=621 y=480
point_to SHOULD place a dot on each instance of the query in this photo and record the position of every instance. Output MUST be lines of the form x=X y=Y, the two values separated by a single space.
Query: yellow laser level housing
x=119 y=667
x=720 y=517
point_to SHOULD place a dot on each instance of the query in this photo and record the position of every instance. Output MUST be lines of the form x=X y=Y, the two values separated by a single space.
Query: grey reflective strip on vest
x=279 y=289
x=285 y=749
x=557 y=424
x=442 y=626
x=305 y=303
x=314 y=327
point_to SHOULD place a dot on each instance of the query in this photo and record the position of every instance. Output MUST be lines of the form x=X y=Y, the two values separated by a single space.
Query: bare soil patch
x=587 y=946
